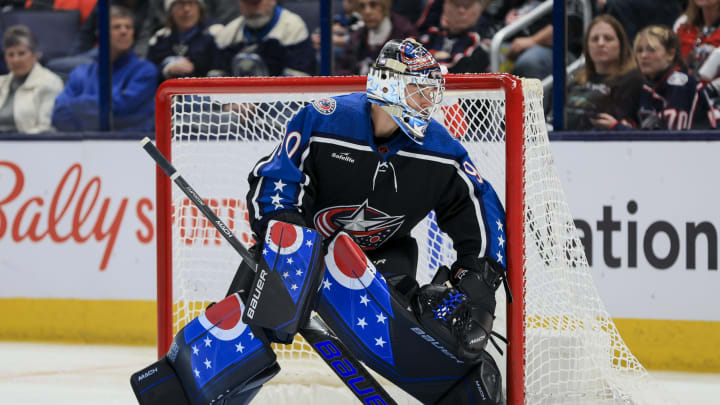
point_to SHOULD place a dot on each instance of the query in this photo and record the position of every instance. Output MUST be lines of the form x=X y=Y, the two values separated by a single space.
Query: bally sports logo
x=79 y=210
x=73 y=211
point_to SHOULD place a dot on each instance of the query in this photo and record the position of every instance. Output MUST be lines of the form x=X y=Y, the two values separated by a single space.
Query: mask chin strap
x=396 y=112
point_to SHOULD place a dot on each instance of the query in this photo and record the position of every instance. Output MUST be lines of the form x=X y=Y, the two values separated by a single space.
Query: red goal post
x=201 y=119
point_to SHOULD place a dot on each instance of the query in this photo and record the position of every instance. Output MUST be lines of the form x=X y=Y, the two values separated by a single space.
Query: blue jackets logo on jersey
x=325 y=106
x=678 y=79
x=369 y=226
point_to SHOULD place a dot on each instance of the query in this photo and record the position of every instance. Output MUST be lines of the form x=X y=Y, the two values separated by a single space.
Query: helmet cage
x=399 y=94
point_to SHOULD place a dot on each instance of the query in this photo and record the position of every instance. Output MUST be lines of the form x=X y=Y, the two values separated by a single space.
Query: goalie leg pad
x=482 y=385
x=379 y=329
x=213 y=358
x=289 y=272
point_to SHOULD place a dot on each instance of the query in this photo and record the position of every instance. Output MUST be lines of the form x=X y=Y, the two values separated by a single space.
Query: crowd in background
x=648 y=64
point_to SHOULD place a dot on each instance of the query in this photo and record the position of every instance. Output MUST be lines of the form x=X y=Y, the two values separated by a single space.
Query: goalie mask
x=406 y=81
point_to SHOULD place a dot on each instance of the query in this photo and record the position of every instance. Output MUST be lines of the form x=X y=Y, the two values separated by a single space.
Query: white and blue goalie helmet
x=407 y=82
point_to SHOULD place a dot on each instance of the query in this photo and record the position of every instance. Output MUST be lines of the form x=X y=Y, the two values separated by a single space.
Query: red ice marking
x=225 y=314
x=288 y=235
x=349 y=258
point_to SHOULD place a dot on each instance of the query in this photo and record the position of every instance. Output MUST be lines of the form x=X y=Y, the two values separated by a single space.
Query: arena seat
x=309 y=10
x=55 y=30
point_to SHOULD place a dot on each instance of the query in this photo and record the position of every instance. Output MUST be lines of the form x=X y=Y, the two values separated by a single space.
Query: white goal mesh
x=216 y=130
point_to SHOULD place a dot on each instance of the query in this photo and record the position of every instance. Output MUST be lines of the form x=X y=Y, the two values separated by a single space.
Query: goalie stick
x=332 y=351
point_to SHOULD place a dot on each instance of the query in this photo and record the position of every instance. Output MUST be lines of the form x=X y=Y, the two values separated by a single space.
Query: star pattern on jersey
x=276 y=201
x=279 y=185
x=498 y=247
x=275 y=196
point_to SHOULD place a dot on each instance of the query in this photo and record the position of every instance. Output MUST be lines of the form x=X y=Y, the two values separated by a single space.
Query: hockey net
x=564 y=347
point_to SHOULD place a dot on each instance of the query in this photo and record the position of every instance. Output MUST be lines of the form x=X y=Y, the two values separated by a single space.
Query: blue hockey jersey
x=330 y=172
x=676 y=101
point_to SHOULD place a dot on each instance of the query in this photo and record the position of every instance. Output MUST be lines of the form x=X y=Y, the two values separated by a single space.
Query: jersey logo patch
x=677 y=79
x=325 y=106
x=369 y=226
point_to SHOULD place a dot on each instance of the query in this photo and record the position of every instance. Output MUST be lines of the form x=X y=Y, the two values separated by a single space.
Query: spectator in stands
x=216 y=12
x=410 y=9
x=186 y=46
x=671 y=98
x=134 y=82
x=455 y=43
x=28 y=92
x=379 y=26
x=85 y=48
x=222 y=11
x=531 y=49
x=431 y=15
x=344 y=24
x=606 y=90
x=699 y=32
x=266 y=40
